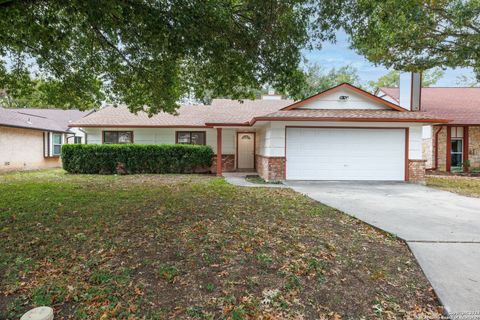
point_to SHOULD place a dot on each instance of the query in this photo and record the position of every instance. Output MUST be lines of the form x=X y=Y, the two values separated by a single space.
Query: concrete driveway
x=441 y=228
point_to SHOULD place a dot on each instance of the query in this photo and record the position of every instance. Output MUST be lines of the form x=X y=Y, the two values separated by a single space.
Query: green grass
x=469 y=186
x=192 y=246
x=169 y=273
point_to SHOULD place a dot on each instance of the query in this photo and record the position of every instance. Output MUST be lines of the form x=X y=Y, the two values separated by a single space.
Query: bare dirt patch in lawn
x=188 y=246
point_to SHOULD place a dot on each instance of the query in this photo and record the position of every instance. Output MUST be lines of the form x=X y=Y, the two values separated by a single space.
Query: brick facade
x=474 y=147
x=23 y=149
x=416 y=171
x=270 y=168
x=228 y=163
x=442 y=147
x=273 y=169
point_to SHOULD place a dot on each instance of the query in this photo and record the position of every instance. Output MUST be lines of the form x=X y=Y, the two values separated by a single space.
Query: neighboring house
x=343 y=133
x=32 y=138
x=449 y=147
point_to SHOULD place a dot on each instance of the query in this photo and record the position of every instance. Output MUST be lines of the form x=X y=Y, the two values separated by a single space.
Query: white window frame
x=118 y=132
x=457 y=135
x=457 y=152
x=190 y=134
x=456 y=132
x=56 y=144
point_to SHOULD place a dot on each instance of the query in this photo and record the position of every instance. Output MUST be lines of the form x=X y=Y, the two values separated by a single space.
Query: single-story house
x=454 y=146
x=32 y=138
x=343 y=133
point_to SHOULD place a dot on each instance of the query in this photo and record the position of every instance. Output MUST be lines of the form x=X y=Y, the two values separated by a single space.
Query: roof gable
x=357 y=99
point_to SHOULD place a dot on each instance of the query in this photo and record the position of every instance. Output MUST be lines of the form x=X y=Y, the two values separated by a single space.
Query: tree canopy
x=412 y=35
x=318 y=79
x=150 y=53
x=21 y=91
x=392 y=79
x=467 y=81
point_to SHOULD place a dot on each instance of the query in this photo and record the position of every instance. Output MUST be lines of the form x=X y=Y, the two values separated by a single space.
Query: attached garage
x=346 y=153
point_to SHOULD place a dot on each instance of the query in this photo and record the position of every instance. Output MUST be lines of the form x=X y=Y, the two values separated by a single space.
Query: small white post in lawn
x=40 y=313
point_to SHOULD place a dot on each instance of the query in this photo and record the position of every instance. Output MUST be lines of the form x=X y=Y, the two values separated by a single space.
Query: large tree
x=318 y=79
x=24 y=92
x=467 y=81
x=150 y=53
x=411 y=35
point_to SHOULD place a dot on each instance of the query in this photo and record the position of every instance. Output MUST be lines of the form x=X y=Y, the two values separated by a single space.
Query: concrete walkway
x=238 y=179
x=441 y=228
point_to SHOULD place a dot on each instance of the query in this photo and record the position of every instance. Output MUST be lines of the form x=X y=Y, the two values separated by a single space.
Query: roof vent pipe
x=411 y=90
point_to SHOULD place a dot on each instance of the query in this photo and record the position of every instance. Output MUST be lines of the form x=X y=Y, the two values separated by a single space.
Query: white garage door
x=345 y=154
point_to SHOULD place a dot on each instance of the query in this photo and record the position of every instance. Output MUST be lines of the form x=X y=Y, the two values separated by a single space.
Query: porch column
x=465 y=148
x=219 y=152
x=448 y=163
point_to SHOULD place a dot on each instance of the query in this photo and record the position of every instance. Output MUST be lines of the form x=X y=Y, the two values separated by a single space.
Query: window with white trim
x=457 y=147
x=56 y=144
x=191 y=137
x=117 y=137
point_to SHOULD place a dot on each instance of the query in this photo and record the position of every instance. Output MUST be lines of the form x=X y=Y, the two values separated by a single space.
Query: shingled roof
x=40 y=119
x=460 y=105
x=226 y=112
x=220 y=111
x=350 y=115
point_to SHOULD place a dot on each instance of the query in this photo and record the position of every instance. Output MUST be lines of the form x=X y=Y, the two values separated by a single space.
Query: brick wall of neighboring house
x=474 y=146
x=270 y=168
x=228 y=163
x=416 y=171
x=22 y=149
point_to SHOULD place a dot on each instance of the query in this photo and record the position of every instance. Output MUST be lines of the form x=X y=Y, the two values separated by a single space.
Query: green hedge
x=136 y=158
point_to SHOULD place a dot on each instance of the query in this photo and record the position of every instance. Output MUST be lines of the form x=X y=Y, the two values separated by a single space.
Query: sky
x=339 y=54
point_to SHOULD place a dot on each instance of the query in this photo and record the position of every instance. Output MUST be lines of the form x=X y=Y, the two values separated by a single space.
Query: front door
x=246 y=150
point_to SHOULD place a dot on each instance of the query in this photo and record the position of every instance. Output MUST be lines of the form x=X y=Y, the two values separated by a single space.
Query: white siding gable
x=354 y=101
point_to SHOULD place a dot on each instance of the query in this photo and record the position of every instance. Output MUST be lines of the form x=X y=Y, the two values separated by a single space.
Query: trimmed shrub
x=136 y=158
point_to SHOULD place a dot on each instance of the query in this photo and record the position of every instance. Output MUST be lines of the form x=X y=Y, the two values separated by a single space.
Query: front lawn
x=187 y=246
x=469 y=186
